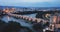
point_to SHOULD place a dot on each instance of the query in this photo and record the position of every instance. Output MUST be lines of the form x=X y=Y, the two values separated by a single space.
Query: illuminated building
x=55 y=20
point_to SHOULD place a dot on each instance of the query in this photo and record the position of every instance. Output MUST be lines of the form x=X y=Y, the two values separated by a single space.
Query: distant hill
x=1 y=7
x=25 y=7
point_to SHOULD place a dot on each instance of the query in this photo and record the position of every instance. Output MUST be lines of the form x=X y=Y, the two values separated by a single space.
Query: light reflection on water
x=21 y=21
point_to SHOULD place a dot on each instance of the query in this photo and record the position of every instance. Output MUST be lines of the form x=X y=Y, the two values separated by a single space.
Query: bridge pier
x=34 y=20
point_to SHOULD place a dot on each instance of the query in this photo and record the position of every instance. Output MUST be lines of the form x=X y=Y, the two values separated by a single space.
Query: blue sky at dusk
x=31 y=3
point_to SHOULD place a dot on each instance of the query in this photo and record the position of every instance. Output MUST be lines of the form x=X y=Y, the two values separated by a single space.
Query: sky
x=30 y=3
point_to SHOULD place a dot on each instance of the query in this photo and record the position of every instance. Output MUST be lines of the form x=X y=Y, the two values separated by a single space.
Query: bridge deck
x=28 y=18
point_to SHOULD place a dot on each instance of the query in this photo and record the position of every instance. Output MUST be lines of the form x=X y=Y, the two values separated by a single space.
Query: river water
x=21 y=21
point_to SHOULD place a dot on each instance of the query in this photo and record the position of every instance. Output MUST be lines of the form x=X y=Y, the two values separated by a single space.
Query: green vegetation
x=13 y=26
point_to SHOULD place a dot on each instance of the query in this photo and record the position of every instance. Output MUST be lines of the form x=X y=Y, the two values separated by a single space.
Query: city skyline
x=30 y=3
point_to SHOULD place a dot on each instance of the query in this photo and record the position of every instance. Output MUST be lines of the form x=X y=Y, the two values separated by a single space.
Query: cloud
x=34 y=1
x=30 y=3
x=26 y=1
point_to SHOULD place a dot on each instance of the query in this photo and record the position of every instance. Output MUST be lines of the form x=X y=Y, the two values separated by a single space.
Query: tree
x=2 y=25
x=12 y=27
x=38 y=27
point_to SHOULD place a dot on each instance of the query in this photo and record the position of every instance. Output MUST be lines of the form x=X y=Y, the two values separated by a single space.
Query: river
x=21 y=21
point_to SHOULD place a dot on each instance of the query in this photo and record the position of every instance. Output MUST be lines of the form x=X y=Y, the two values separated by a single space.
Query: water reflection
x=21 y=21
